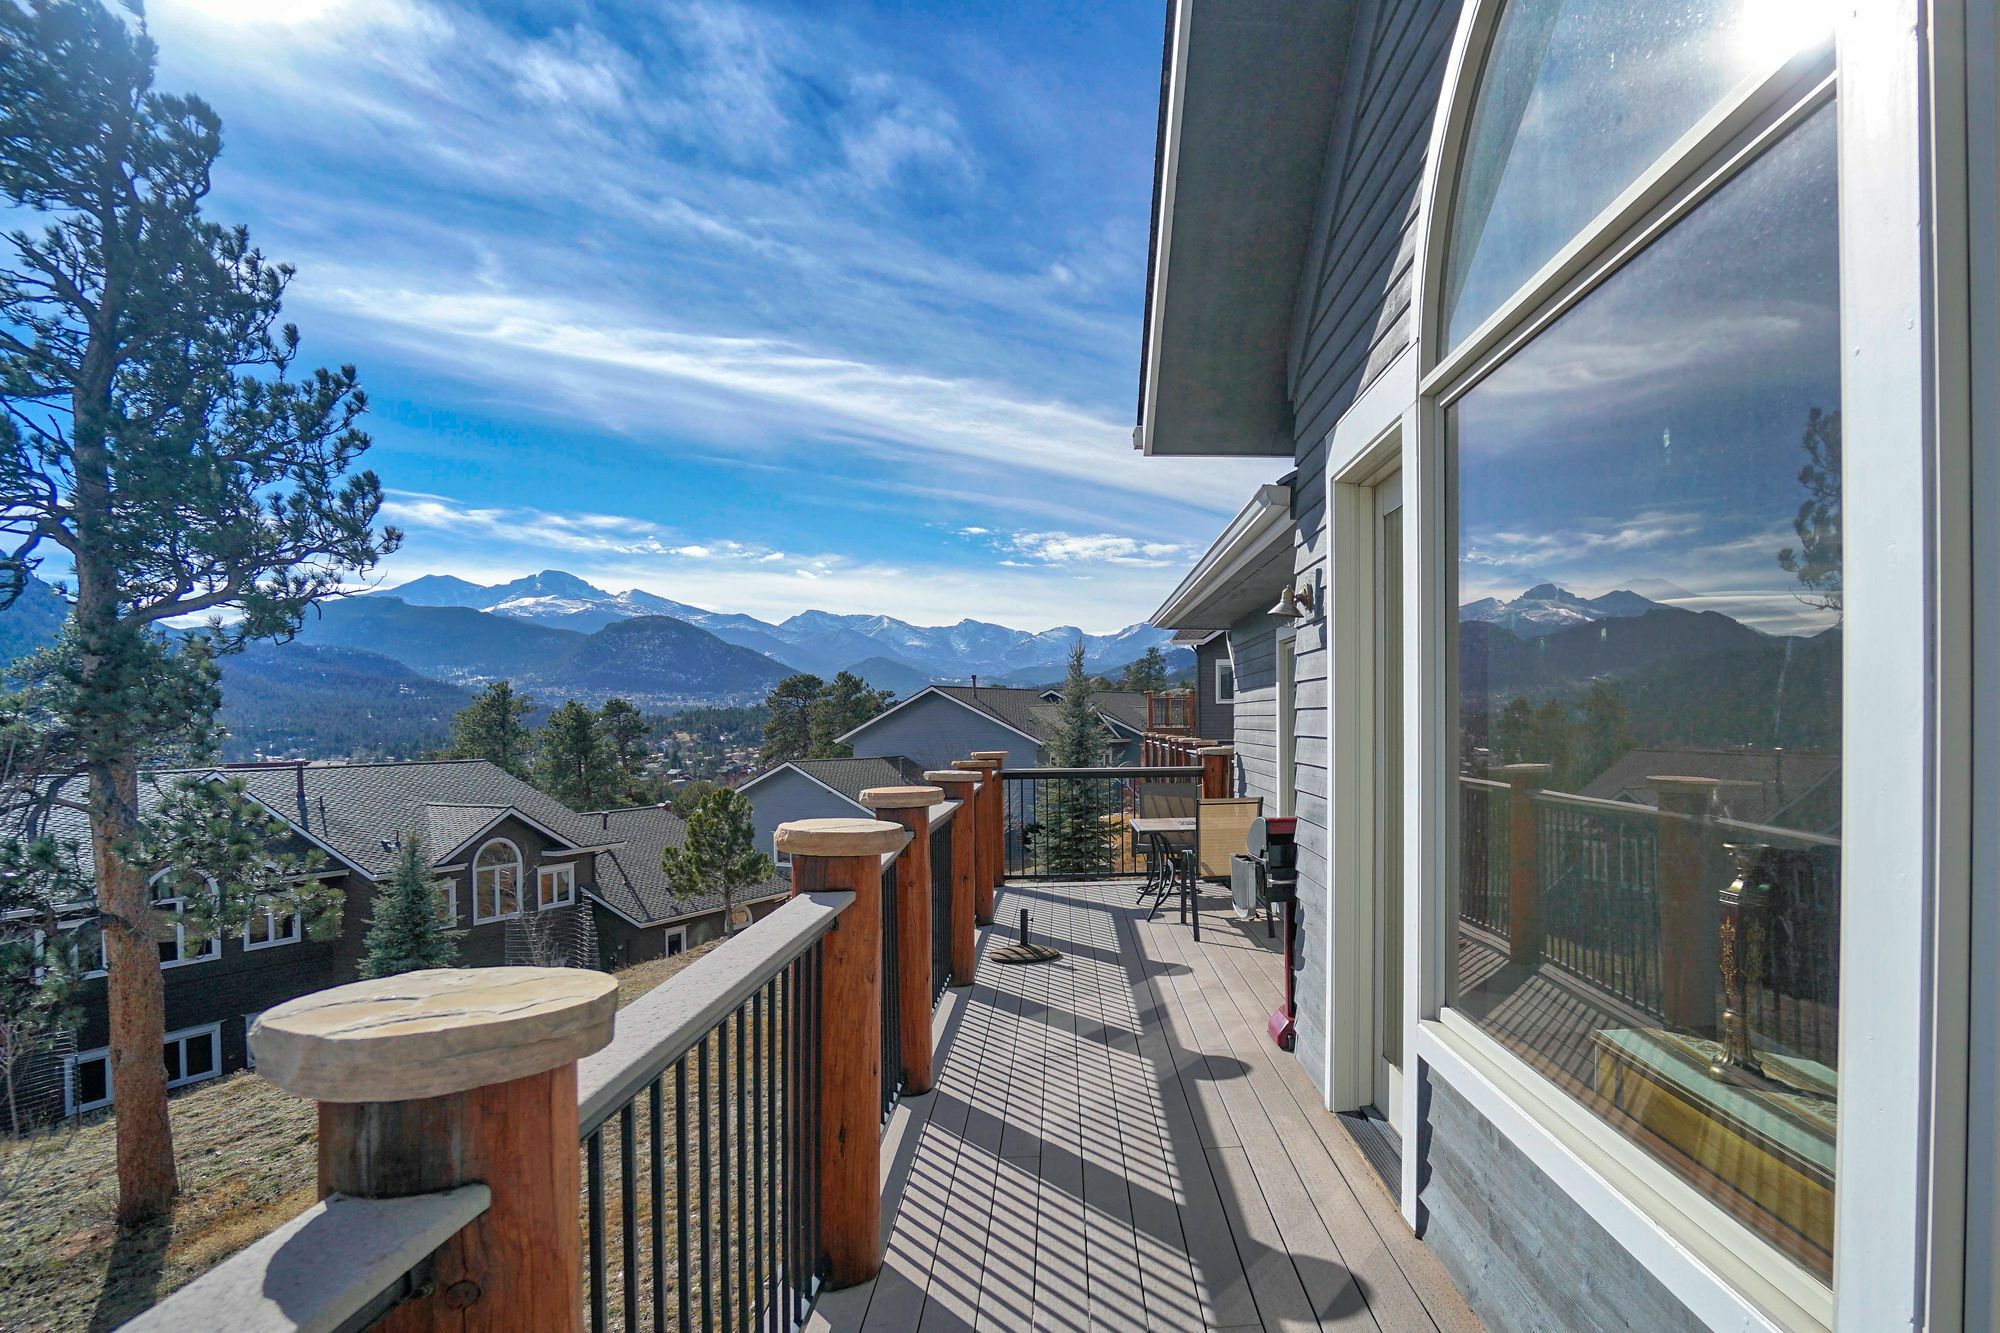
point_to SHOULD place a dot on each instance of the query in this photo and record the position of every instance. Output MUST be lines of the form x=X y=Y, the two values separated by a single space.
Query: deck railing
x=712 y=1084
x=712 y=1171
x=1636 y=901
x=1075 y=823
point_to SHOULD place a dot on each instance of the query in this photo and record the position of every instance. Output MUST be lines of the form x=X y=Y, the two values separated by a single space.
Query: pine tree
x=1148 y=672
x=573 y=759
x=494 y=727
x=788 y=732
x=719 y=856
x=406 y=930
x=625 y=730
x=844 y=703
x=1077 y=837
x=150 y=428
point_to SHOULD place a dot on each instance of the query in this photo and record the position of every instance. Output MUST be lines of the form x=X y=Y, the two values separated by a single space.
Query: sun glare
x=1769 y=31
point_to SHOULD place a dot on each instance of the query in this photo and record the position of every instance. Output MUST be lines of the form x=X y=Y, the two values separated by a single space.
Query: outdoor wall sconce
x=1294 y=604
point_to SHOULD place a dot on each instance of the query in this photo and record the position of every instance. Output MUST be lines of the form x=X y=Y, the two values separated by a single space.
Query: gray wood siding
x=1213 y=721
x=935 y=730
x=788 y=795
x=1520 y=1249
x=1353 y=320
x=1253 y=644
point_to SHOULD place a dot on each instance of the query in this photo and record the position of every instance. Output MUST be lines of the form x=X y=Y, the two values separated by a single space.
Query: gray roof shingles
x=1027 y=711
x=851 y=777
x=630 y=878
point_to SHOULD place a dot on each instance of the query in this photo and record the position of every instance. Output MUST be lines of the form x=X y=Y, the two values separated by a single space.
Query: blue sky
x=758 y=306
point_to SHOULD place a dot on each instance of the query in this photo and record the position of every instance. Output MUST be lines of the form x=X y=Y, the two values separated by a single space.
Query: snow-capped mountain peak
x=1548 y=607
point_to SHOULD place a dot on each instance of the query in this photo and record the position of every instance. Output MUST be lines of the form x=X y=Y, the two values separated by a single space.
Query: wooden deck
x=1115 y=1144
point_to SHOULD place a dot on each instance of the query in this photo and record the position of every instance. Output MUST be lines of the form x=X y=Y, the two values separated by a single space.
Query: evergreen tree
x=1148 y=672
x=494 y=727
x=150 y=428
x=1816 y=562
x=1606 y=732
x=406 y=929
x=1077 y=837
x=574 y=760
x=788 y=730
x=625 y=730
x=691 y=794
x=844 y=703
x=719 y=856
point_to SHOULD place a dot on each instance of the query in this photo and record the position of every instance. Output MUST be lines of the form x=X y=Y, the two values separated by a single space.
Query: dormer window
x=555 y=886
x=496 y=882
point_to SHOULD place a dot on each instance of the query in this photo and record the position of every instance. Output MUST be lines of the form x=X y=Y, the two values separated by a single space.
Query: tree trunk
x=147 y=1181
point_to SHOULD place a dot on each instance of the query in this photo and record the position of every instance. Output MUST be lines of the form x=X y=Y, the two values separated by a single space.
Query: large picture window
x=496 y=881
x=1649 y=682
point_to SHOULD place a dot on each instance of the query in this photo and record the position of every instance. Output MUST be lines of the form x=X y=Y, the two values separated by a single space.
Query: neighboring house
x=945 y=722
x=646 y=917
x=1551 y=452
x=526 y=879
x=820 y=789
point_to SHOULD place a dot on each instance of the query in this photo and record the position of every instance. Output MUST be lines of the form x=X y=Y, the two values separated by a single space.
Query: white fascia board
x=1170 y=153
x=1247 y=539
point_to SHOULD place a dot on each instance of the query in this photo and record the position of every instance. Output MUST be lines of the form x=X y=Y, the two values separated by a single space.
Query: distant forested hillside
x=311 y=701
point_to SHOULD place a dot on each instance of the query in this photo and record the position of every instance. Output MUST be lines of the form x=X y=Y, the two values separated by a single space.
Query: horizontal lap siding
x=789 y=795
x=1352 y=321
x=1252 y=646
x=935 y=730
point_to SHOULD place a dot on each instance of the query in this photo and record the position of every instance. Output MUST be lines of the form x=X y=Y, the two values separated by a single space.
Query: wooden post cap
x=900 y=798
x=840 y=837
x=951 y=775
x=976 y=765
x=997 y=756
x=427 y=1034
x=1216 y=749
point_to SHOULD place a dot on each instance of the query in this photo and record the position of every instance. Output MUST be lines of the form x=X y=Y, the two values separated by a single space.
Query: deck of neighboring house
x=1115 y=1144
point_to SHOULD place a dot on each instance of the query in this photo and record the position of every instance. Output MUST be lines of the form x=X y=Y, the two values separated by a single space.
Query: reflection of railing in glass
x=1596 y=880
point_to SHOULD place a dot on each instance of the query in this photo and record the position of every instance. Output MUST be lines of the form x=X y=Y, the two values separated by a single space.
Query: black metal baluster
x=771 y=1164
x=682 y=1245
x=656 y=1100
x=594 y=1168
x=725 y=1070
x=628 y=1200
x=707 y=1218
x=794 y=1062
x=745 y=1200
x=756 y=1266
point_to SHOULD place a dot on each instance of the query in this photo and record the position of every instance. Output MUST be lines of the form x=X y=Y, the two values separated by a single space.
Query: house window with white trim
x=177 y=950
x=87 y=1081
x=555 y=886
x=268 y=927
x=496 y=882
x=1645 y=459
x=193 y=1054
x=1225 y=681
x=447 y=901
x=677 y=941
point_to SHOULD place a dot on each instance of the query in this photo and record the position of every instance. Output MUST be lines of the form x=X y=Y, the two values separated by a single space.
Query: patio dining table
x=1163 y=835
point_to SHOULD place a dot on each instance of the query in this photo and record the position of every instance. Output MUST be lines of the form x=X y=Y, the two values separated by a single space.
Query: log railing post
x=990 y=809
x=963 y=787
x=432 y=1080
x=845 y=855
x=1690 y=901
x=1524 y=895
x=910 y=808
x=1216 y=779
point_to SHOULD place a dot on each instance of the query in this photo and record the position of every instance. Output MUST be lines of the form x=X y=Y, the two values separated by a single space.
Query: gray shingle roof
x=851 y=777
x=630 y=879
x=1027 y=711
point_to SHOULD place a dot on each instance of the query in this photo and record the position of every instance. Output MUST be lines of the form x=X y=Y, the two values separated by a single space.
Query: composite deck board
x=1115 y=1144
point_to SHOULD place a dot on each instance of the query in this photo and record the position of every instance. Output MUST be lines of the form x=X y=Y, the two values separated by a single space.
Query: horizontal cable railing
x=711 y=1080
x=1075 y=823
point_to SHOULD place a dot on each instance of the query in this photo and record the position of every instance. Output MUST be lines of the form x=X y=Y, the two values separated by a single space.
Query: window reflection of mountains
x=1683 y=677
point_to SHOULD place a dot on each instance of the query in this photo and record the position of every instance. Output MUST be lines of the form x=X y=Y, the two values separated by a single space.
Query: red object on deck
x=1281 y=1027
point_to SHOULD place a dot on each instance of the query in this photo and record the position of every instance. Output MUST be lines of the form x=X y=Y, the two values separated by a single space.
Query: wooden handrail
x=340 y=1263
x=661 y=1026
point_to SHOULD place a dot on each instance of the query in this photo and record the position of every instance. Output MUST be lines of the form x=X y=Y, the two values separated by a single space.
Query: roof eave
x=1250 y=536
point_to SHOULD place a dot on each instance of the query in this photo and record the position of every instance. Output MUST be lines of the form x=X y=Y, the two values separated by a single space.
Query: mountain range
x=1548 y=607
x=817 y=641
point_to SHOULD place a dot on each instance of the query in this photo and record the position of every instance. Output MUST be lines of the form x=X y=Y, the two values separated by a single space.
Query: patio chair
x=1222 y=830
x=1167 y=800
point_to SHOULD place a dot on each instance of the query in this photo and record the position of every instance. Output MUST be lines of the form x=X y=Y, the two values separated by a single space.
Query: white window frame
x=183 y=1036
x=479 y=916
x=295 y=929
x=211 y=949
x=782 y=860
x=449 y=916
x=1900 y=1205
x=70 y=1104
x=562 y=871
x=1225 y=667
x=677 y=936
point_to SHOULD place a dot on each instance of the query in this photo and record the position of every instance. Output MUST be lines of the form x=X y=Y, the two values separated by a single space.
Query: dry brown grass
x=246 y=1160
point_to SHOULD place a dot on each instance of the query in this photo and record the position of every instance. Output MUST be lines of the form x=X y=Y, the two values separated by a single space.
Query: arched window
x=496 y=881
x=1631 y=378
